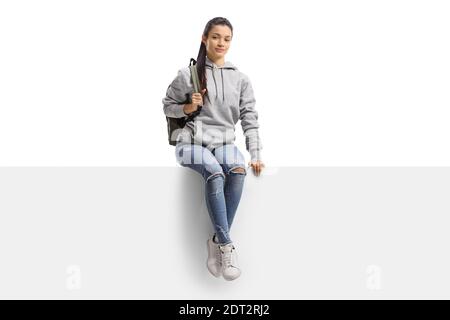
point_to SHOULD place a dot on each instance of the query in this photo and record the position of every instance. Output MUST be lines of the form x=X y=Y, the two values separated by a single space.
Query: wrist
x=187 y=109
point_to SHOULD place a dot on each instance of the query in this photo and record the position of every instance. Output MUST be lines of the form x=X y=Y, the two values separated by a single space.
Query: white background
x=336 y=82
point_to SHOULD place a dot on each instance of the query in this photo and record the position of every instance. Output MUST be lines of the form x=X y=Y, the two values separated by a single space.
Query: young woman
x=206 y=143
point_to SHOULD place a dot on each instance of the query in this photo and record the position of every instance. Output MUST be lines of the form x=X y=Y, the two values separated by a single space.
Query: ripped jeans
x=224 y=173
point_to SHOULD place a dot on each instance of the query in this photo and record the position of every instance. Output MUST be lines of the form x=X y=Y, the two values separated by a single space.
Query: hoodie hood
x=215 y=68
x=227 y=65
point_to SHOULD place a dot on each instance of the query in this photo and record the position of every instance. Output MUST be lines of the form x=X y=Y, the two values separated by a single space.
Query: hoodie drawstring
x=227 y=65
x=215 y=84
x=223 y=87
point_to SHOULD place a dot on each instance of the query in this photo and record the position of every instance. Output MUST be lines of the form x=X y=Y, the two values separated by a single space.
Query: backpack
x=174 y=124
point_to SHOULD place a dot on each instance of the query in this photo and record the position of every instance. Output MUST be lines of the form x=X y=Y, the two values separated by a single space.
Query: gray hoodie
x=230 y=98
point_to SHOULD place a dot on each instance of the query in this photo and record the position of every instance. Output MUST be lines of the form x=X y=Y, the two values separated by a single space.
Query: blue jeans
x=223 y=183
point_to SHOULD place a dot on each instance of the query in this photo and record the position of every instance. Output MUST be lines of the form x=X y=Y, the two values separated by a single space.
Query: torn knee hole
x=214 y=175
x=238 y=170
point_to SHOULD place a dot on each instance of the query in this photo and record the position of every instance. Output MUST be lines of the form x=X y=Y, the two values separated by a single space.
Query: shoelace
x=227 y=258
x=218 y=255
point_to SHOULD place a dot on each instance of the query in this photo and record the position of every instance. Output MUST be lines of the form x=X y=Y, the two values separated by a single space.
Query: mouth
x=220 y=50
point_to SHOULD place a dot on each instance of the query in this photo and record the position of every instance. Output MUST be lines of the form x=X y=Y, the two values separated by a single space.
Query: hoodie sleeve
x=177 y=94
x=249 y=119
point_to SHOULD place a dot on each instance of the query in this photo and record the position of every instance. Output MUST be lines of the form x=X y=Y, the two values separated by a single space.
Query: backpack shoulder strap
x=196 y=85
x=194 y=75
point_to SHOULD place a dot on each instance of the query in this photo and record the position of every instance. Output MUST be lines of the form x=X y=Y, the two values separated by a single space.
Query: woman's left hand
x=257 y=166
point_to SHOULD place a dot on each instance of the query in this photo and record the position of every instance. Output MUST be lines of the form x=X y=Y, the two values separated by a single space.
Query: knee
x=238 y=170
x=215 y=175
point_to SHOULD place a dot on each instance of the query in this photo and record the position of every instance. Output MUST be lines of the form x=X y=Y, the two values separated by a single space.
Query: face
x=218 y=41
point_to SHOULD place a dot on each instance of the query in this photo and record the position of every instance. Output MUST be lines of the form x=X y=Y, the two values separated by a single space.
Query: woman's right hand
x=197 y=100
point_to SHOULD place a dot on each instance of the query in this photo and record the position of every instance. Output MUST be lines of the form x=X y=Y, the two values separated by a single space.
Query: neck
x=218 y=61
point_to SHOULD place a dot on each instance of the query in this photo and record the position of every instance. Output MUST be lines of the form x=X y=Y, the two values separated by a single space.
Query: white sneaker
x=214 y=258
x=230 y=269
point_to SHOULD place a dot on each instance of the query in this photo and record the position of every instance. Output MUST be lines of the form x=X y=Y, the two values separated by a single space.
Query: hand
x=197 y=100
x=257 y=166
